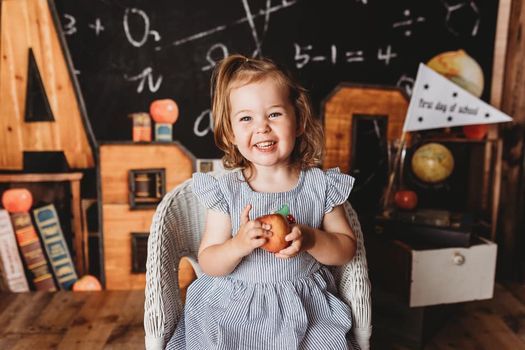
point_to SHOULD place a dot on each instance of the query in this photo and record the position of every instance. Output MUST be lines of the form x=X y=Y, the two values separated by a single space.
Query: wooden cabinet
x=416 y=289
x=63 y=190
x=126 y=225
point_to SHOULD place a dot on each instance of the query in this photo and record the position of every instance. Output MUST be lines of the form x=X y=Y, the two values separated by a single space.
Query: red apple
x=164 y=111
x=17 y=200
x=87 y=283
x=476 y=131
x=405 y=199
x=279 y=229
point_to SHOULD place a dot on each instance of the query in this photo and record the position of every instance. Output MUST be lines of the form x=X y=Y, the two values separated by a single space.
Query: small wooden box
x=425 y=276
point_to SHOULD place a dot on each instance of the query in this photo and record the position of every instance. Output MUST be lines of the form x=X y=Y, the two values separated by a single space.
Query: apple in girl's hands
x=280 y=228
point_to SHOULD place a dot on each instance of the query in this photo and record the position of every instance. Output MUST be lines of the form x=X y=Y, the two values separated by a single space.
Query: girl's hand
x=296 y=236
x=251 y=234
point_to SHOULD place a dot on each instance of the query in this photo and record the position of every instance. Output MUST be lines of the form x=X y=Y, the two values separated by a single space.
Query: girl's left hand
x=296 y=236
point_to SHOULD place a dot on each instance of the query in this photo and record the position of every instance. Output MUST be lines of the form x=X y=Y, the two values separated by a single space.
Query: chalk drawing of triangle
x=438 y=102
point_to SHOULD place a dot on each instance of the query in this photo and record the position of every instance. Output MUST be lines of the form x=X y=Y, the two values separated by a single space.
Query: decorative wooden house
x=133 y=178
x=42 y=117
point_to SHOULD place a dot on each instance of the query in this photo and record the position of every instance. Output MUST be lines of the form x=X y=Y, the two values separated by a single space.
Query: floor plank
x=94 y=323
x=129 y=330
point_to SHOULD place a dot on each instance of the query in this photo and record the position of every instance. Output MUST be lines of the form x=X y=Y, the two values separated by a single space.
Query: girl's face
x=263 y=122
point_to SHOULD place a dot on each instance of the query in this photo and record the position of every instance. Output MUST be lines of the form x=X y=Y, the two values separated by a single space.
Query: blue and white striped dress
x=267 y=302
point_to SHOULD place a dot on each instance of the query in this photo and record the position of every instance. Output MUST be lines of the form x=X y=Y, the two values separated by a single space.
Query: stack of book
x=34 y=254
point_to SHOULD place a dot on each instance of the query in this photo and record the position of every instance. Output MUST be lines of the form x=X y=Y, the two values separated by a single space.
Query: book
x=32 y=253
x=12 y=271
x=48 y=224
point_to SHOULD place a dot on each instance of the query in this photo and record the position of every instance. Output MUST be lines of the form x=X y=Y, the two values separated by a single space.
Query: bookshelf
x=58 y=187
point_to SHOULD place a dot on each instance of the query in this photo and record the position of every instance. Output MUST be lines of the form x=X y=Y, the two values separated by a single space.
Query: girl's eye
x=274 y=115
x=245 y=118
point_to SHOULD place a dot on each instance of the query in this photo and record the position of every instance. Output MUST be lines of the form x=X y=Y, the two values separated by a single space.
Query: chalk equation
x=305 y=55
x=408 y=22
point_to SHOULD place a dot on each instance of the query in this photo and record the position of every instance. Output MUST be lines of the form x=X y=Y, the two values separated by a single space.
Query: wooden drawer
x=423 y=277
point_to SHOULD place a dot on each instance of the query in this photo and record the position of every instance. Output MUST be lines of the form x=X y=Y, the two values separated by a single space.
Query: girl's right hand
x=251 y=234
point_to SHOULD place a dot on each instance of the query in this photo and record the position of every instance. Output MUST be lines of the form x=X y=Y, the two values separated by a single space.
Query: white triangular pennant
x=438 y=102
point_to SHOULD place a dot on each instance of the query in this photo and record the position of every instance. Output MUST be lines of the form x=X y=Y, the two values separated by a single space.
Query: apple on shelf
x=405 y=199
x=475 y=131
x=279 y=222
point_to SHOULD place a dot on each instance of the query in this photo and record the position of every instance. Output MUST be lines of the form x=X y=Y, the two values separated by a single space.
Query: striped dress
x=267 y=302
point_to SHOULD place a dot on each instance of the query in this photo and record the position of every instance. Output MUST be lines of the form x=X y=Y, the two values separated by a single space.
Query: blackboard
x=126 y=53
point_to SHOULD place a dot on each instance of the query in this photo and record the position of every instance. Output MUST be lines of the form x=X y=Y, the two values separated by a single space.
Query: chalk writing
x=206 y=119
x=258 y=39
x=146 y=75
x=146 y=31
x=303 y=55
x=408 y=22
x=387 y=55
x=97 y=26
x=248 y=18
x=354 y=56
x=69 y=27
x=463 y=14
x=301 y=59
x=223 y=51
x=407 y=83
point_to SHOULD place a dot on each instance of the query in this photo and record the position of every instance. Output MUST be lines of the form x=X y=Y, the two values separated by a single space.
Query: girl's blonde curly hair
x=238 y=70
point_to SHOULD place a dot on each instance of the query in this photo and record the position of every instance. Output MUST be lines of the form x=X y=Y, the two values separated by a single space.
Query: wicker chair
x=176 y=231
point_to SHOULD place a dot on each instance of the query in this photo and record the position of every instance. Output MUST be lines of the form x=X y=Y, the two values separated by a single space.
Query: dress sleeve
x=338 y=187
x=207 y=190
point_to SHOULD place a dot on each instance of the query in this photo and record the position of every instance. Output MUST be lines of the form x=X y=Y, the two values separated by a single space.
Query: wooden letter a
x=33 y=26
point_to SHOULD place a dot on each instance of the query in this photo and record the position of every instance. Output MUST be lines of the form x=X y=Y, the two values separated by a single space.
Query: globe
x=462 y=69
x=432 y=163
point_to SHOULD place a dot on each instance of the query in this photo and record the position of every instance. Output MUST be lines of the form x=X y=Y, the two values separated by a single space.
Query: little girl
x=249 y=298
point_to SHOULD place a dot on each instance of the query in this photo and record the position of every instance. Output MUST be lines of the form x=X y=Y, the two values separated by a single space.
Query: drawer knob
x=459 y=259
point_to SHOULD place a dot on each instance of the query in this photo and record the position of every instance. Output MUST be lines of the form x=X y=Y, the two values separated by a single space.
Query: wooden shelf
x=43 y=177
x=80 y=243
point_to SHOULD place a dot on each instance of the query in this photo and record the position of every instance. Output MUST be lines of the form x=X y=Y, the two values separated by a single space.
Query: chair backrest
x=176 y=232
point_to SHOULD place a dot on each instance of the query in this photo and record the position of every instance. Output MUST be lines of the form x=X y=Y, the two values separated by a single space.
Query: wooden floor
x=113 y=320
